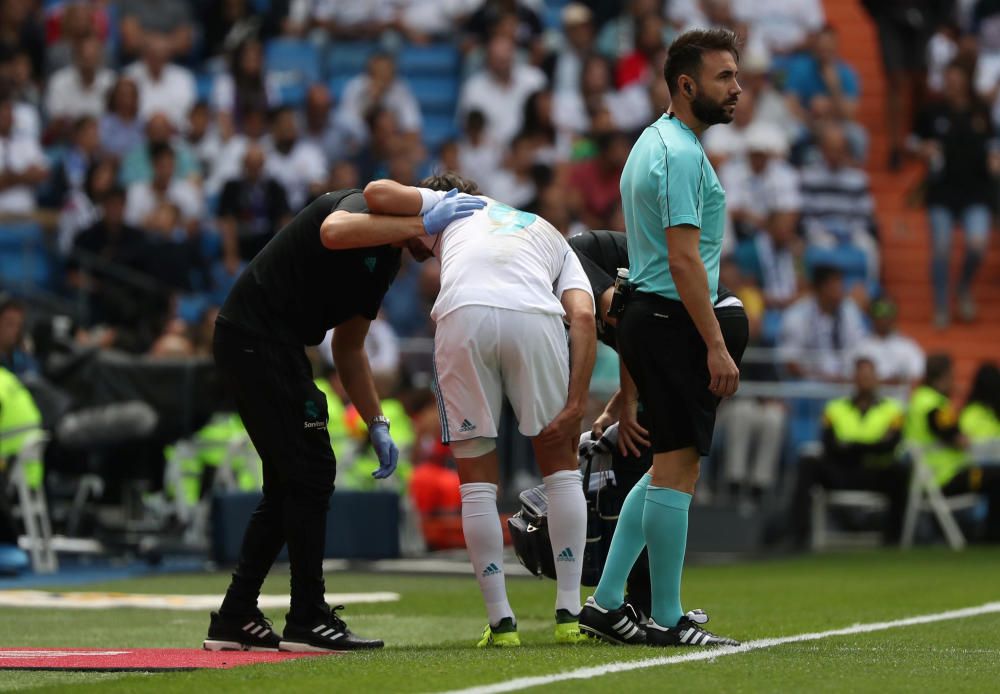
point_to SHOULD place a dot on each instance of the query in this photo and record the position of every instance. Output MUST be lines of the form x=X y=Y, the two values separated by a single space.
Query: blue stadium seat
x=437 y=130
x=19 y=236
x=293 y=65
x=204 y=81
x=435 y=93
x=851 y=260
x=348 y=59
x=435 y=59
x=337 y=84
x=32 y=268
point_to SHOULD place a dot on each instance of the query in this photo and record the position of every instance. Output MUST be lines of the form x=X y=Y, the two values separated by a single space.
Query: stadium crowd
x=164 y=142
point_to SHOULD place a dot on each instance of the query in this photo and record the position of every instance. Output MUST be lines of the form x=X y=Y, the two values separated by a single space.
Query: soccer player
x=669 y=337
x=308 y=279
x=601 y=253
x=508 y=280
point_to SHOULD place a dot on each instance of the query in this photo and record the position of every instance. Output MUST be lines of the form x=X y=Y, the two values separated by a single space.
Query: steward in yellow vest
x=979 y=423
x=18 y=417
x=861 y=434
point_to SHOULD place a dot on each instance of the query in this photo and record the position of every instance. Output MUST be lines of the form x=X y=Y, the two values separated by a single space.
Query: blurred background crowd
x=149 y=148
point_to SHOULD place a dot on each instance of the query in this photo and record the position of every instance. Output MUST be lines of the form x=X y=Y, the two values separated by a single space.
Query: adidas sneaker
x=688 y=632
x=250 y=633
x=503 y=635
x=613 y=626
x=329 y=633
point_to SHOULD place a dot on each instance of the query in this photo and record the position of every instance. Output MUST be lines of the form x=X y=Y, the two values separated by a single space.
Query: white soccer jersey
x=505 y=258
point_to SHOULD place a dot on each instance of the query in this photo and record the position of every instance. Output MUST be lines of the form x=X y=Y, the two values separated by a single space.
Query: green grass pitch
x=431 y=632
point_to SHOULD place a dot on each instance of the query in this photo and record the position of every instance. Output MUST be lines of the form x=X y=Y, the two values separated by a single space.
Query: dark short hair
x=937 y=366
x=822 y=274
x=160 y=149
x=685 y=53
x=447 y=180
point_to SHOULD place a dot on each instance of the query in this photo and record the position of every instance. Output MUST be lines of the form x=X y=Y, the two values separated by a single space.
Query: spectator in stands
x=957 y=139
x=617 y=37
x=79 y=89
x=762 y=182
x=174 y=258
x=244 y=86
x=17 y=76
x=20 y=31
x=898 y=359
x=500 y=90
x=784 y=26
x=353 y=21
x=822 y=72
x=552 y=146
x=100 y=253
x=70 y=171
x=478 y=154
x=837 y=204
x=202 y=136
x=232 y=147
x=773 y=257
x=167 y=21
x=378 y=87
x=227 y=24
x=513 y=182
x=14 y=355
x=251 y=210
x=579 y=112
x=596 y=180
x=565 y=63
x=23 y=165
x=81 y=208
x=70 y=23
x=525 y=26
x=980 y=418
x=297 y=165
x=320 y=127
x=860 y=436
x=137 y=165
x=164 y=87
x=820 y=331
x=932 y=424
x=770 y=102
x=385 y=142
x=120 y=126
x=904 y=28
x=647 y=57
x=146 y=200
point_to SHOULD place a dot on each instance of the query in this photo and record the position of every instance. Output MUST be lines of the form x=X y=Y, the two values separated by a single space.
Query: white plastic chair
x=926 y=496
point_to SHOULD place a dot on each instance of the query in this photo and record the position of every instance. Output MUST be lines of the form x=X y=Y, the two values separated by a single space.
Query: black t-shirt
x=601 y=253
x=962 y=177
x=296 y=289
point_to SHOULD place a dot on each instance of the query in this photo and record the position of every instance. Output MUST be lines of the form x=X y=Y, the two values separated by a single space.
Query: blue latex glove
x=452 y=206
x=385 y=449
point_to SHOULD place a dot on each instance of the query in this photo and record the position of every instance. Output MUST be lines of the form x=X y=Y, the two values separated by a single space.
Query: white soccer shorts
x=482 y=354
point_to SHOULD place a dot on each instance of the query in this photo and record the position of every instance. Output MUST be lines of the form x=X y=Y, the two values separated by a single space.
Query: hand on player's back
x=452 y=206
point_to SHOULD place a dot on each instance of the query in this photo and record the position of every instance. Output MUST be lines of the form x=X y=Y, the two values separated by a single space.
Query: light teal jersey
x=668 y=181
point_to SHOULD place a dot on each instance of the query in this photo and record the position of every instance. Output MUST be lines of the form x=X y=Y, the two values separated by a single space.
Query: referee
x=309 y=278
x=668 y=337
x=601 y=253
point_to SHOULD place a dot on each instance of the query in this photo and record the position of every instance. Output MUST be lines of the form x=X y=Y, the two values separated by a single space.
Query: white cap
x=767 y=137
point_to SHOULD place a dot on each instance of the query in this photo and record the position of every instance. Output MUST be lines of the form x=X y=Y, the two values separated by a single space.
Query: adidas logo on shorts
x=467 y=426
x=566 y=555
x=491 y=570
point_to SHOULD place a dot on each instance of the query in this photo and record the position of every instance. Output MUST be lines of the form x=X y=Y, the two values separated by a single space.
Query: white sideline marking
x=712 y=653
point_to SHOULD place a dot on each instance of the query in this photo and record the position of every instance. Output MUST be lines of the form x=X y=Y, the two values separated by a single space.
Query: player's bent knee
x=473 y=448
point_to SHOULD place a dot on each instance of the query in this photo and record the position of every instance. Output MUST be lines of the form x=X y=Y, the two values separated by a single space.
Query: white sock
x=484 y=540
x=568 y=531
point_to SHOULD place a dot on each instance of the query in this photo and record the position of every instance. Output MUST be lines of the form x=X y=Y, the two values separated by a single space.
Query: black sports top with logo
x=296 y=289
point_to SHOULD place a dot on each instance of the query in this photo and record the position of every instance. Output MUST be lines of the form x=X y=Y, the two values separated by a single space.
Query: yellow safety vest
x=979 y=423
x=18 y=412
x=945 y=461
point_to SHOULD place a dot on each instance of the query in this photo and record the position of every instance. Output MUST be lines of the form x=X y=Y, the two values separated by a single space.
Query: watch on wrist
x=379 y=419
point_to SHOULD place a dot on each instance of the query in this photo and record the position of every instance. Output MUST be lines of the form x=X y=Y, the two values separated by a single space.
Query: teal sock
x=626 y=546
x=665 y=524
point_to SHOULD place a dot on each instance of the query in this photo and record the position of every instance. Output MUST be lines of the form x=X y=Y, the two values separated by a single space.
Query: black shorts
x=282 y=409
x=668 y=361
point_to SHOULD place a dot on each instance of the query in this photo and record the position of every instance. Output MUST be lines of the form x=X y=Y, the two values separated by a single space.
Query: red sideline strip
x=139 y=659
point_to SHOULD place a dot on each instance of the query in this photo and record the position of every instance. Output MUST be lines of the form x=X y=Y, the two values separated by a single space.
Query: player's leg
x=247 y=375
x=470 y=397
x=535 y=366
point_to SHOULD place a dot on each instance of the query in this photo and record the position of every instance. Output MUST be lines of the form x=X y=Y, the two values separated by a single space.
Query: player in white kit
x=509 y=286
